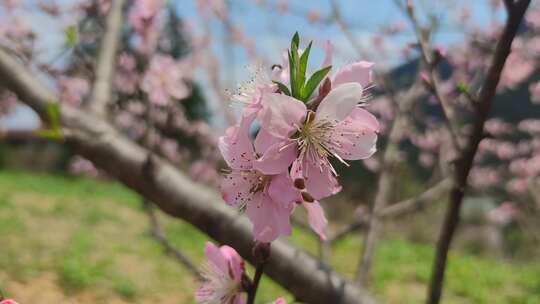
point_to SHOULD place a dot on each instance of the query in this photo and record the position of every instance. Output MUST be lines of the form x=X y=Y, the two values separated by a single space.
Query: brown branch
x=101 y=92
x=157 y=233
x=348 y=229
x=20 y=135
x=177 y=195
x=429 y=57
x=397 y=209
x=418 y=202
x=385 y=180
x=465 y=162
x=509 y=4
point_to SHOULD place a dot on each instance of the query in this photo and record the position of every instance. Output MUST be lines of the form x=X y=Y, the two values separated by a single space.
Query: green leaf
x=313 y=82
x=462 y=87
x=53 y=112
x=294 y=66
x=303 y=66
x=50 y=134
x=283 y=88
x=71 y=36
x=292 y=74
x=295 y=40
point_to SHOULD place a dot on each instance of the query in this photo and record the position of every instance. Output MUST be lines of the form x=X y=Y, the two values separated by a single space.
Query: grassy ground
x=82 y=241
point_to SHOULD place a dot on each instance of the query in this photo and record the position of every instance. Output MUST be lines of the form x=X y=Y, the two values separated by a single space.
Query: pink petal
x=355 y=137
x=281 y=115
x=236 y=187
x=339 y=103
x=236 y=263
x=236 y=146
x=280 y=301
x=316 y=218
x=282 y=190
x=358 y=72
x=319 y=180
x=216 y=258
x=277 y=158
x=264 y=140
x=270 y=219
x=328 y=53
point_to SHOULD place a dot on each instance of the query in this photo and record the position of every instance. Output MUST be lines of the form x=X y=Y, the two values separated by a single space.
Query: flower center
x=315 y=135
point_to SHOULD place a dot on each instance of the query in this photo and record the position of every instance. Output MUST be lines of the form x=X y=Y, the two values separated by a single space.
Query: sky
x=272 y=30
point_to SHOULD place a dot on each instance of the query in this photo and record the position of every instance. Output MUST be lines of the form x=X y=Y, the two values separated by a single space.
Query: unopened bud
x=300 y=184
x=325 y=88
x=261 y=252
x=307 y=197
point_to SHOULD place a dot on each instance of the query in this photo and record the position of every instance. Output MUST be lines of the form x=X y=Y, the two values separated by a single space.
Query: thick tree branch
x=465 y=161
x=105 y=64
x=174 y=193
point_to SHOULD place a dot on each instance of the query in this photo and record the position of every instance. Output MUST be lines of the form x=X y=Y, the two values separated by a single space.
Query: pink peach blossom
x=222 y=276
x=292 y=134
x=267 y=198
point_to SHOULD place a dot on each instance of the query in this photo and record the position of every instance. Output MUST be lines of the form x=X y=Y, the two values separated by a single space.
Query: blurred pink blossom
x=426 y=160
x=314 y=16
x=534 y=89
x=531 y=126
x=143 y=18
x=202 y=171
x=518 y=186
x=165 y=80
x=218 y=7
x=496 y=127
x=82 y=166
x=516 y=70
x=8 y=101
x=126 y=77
x=533 y=17
x=72 y=89
x=505 y=150
x=483 y=178
x=503 y=214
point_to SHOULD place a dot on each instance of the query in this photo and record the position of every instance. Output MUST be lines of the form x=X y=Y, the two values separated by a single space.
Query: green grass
x=66 y=239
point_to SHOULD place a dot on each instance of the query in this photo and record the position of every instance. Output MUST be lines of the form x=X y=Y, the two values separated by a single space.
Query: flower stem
x=261 y=253
x=253 y=290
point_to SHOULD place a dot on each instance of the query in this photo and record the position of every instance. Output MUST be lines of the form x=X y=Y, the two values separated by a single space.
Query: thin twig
x=465 y=162
x=397 y=209
x=157 y=233
x=428 y=56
